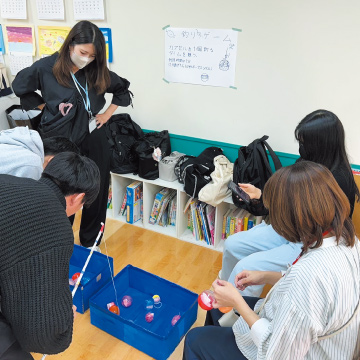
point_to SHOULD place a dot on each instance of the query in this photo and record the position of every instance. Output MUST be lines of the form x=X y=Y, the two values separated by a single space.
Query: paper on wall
x=51 y=38
x=200 y=56
x=19 y=62
x=13 y=9
x=19 y=39
x=50 y=9
x=89 y=10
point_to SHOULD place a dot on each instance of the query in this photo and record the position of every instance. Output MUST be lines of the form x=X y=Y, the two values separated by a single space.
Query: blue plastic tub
x=159 y=338
x=97 y=274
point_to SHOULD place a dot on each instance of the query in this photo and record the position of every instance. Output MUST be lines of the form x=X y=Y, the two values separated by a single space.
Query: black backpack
x=143 y=150
x=253 y=166
x=195 y=172
x=122 y=133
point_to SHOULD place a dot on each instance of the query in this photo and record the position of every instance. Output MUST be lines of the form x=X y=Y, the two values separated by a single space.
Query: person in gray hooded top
x=21 y=153
x=24 y=154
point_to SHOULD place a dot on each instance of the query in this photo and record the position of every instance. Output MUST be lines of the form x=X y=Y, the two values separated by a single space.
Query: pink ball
x=149 y=317
x=175 y=319
x=126 y=301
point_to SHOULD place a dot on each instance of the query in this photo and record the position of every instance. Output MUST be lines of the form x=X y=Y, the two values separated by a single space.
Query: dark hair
x=322 y=136
x=74 y=174
x=57 y=144
x=97 y=73
x=317 y=204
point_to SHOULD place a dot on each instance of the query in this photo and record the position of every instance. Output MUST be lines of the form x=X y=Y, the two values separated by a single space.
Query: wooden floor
x=191 y=266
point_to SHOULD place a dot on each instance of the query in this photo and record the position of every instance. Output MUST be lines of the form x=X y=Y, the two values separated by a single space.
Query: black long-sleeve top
x=342 y=177
x=36 y=245
x=39 y=76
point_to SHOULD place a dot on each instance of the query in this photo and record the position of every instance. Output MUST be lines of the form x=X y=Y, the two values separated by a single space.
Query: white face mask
x=79 y=61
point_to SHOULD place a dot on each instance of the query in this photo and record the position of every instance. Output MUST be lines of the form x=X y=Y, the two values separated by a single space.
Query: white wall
x=294 y=56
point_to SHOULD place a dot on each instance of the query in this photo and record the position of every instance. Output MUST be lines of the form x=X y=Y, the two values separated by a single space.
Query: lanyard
x=87 y=102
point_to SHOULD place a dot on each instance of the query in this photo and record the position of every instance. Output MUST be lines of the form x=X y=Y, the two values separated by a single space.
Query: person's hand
x=101 y=119
x=74 y=310
x=225 y=294
x=247 y=278
x=251 y=190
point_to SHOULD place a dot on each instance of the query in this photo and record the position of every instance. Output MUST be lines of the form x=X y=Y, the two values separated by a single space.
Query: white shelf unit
x=150 y=188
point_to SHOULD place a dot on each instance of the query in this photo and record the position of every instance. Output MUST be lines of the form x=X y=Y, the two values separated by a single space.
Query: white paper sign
x=89 y=10
x=13 y=9
x=200 y=56
x=19 y=62
x=50 y=9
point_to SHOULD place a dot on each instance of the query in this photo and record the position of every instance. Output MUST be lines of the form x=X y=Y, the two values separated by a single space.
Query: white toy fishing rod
x=84 y=267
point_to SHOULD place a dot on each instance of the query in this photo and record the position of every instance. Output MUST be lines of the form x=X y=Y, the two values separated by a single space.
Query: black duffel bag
x=143 y=150
x=195 y=172
x=122 y=132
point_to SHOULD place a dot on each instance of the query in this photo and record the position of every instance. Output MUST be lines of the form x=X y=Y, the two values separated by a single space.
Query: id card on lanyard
x=92 y=122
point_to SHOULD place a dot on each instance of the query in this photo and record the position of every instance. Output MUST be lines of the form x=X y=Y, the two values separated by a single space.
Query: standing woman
x=73 y=83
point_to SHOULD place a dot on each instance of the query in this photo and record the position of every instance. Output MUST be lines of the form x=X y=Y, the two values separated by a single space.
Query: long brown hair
x=304 y=201
x=97 y=73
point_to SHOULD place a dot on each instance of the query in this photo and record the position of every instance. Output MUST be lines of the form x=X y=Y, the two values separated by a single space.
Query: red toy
x=75 y=276
x=149 y=317
x=113 y=308
x=206 y=300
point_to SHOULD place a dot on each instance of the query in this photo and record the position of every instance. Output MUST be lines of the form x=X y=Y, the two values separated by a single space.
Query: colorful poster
x=51 y=38
x=108 y=43
x=20 y=39
x=2 y=46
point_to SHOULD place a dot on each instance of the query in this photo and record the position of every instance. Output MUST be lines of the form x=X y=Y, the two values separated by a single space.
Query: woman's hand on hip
x=101 y=119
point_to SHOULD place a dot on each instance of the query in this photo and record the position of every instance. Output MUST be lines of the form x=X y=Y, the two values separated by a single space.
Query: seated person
x=24 y=154
x=321 y=139
x=36 y=245
x=312 y=311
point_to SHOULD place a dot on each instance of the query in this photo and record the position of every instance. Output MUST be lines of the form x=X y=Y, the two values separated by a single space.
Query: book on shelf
x=159 y=198
x=164 y=204
x=223 y=234
x=133 y=202
x=109 y=203
x=251 y=222
x=236 y=220
x=172 y=211
x=123 y=204
x=202 y=219
x=210 y=216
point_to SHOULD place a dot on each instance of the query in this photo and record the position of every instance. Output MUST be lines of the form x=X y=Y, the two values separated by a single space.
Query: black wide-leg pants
x=96 y=147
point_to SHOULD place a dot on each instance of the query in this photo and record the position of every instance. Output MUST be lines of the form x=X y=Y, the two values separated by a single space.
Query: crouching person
x=36 y=245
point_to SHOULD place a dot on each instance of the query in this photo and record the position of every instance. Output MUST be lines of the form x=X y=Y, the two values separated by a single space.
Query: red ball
x=114 y=309
x=206 y=299
x=75 y=276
